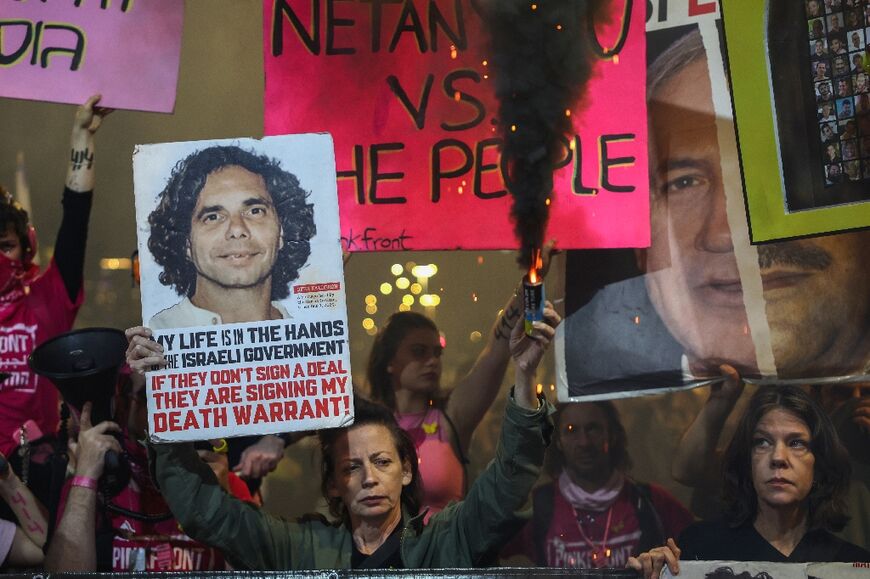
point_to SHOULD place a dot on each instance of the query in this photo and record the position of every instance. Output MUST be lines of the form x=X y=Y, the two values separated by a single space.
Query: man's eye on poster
x=667 y=317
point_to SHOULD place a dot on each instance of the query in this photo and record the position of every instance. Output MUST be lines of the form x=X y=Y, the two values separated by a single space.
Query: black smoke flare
x=542 y=58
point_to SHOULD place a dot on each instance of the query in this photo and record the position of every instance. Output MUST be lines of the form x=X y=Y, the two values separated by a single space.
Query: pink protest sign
x=66 y=50
x=407 y=92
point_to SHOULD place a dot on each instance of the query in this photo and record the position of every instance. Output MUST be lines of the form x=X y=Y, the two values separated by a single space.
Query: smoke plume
x=542 y=59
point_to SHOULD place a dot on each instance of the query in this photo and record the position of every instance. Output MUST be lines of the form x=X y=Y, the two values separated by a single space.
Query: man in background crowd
x=594 y=515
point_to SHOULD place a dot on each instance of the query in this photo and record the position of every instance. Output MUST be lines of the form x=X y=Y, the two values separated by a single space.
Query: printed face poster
x=243 y=285
x=663 y=318
x=65 y=51
x=407 y=89
x=804 y=135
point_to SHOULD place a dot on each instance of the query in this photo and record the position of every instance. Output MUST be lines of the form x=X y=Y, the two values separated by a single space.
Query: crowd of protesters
x=395 y=482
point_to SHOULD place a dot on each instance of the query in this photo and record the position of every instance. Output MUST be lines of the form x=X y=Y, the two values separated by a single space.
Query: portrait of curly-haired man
x=230 y=232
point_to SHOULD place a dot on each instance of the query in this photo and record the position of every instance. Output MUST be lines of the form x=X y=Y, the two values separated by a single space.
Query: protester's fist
x=650 y=564
x=526 y=350
x=261 y=458
x=93 y=443
x=89 y=116
x=730 y=388
x=143 y=352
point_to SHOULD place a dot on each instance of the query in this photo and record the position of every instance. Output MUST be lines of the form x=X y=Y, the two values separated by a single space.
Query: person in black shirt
x=786 y=477
x=37 y=305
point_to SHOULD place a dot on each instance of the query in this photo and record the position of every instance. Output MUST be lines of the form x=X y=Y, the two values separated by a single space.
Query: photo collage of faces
x=839 y=44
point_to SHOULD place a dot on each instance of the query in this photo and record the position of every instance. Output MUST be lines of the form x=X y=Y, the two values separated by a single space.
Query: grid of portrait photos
x=839 y=31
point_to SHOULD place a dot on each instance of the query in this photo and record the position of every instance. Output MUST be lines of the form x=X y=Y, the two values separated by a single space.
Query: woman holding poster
x=786 y=478
x=371 y=481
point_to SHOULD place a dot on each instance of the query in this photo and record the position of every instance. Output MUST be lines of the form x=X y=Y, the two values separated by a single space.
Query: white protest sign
x=243 y=284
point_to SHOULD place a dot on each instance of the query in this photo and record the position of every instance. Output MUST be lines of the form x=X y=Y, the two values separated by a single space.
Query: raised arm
x=249 y=538
x=208 y=514
x=73 y=233
x=527 y=352
x=487 y=516
x=73 y=545
x=30 y=533
x=474 y=393
x=696 y=459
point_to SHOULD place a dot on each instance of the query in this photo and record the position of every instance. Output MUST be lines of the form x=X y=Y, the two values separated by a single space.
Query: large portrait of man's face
x=812 y=296
x=692 y=275
x=235 y=234
x=219 y=231
x=816 y=291
x=229 y=228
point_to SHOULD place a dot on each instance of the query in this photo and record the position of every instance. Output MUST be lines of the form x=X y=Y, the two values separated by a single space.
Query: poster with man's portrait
x=243 y=286
x=666 y=317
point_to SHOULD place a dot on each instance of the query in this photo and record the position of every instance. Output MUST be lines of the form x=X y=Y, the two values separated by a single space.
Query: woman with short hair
x=786 y=477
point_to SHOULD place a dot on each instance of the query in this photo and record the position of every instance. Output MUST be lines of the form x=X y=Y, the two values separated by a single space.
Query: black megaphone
x=84 y=365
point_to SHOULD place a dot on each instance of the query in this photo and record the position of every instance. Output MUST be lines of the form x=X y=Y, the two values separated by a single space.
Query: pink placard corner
x=59 y=52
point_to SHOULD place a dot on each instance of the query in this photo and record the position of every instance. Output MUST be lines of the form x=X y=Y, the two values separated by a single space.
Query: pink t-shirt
x=442 y=472
x=44 y=312
x=568 y=544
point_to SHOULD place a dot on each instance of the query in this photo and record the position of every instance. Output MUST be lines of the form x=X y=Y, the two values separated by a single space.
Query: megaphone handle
x=112 y=460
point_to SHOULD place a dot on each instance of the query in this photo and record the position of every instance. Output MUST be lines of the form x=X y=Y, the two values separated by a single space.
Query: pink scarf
x=599 y=500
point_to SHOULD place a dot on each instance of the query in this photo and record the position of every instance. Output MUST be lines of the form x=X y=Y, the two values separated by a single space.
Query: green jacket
x=459 y=536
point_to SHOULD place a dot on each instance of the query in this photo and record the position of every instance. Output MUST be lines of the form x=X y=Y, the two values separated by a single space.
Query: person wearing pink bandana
x=36 y=306
x=593 y=515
